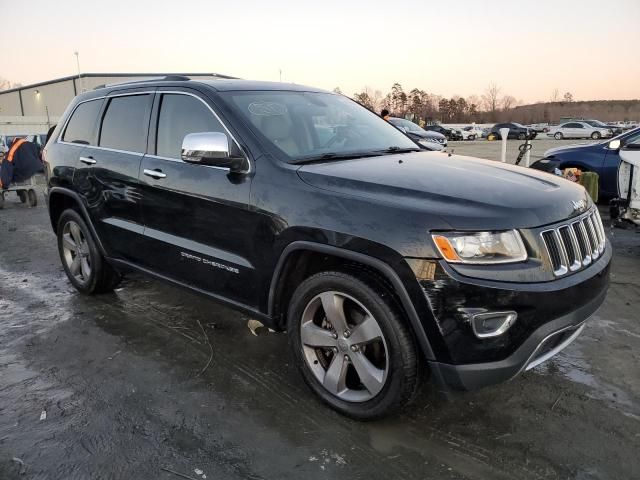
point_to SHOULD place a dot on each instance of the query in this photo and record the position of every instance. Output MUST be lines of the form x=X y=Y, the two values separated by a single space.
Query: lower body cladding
x=494 y=331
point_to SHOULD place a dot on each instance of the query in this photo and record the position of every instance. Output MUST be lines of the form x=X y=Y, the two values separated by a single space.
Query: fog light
x=490 y=324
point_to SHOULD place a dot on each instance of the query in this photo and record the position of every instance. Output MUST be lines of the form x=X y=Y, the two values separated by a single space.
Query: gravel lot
x=492 y=150
x=110 y=387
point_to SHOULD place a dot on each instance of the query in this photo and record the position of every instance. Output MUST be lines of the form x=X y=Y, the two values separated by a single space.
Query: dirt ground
x=113 y=387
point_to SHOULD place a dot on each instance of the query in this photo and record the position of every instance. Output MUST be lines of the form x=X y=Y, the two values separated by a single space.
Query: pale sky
x=528 y=48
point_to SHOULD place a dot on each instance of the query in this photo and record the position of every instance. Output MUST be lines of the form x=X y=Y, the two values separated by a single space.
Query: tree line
x=490 y=107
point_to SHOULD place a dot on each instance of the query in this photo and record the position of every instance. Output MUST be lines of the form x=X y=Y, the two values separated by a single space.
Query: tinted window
x=569 y=125
x=125 y=122
x=82 y=123
x=180 y=115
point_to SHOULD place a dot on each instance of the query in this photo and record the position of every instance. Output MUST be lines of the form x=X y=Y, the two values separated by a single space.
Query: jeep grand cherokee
x=305 y=210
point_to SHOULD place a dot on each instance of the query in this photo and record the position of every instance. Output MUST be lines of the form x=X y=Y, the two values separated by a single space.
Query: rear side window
x=179 y=116
x=82 y=124
x=125 y=123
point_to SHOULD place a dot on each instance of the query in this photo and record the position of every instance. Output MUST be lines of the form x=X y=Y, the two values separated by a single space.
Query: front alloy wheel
x=344 y=346
x=352 y=345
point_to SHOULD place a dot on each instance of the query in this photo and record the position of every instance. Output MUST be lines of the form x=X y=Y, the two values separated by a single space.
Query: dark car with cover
x=299 y=207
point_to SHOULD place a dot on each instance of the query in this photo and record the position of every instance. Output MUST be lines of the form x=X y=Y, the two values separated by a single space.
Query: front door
x=198 y=225
x=107 y=174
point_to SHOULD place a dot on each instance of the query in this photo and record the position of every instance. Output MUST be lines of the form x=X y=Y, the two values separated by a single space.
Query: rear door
x=107 y=174
x=198 y=225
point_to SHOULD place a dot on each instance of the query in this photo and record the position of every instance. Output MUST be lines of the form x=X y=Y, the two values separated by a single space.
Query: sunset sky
x=589 y=48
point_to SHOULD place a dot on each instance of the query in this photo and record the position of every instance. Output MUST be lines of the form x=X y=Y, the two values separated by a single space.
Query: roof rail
x=166 y=78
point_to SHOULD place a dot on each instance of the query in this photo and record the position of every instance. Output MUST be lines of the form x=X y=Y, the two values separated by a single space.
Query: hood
x=465 y=193
x=568 y=148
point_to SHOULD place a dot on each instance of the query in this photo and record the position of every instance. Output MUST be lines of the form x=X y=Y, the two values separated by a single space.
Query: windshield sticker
x=267 y=109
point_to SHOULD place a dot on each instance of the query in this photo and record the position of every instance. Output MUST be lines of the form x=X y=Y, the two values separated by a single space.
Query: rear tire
x=32 y=198
x=1 y=200
x=558 y=136
x=22 y=195
x=368 y=370
x=83 y=263
x=596 y=135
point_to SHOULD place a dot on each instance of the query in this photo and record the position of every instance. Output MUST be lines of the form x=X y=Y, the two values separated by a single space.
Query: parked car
x=450 y=133
x=615 y=130
x=471 y=132
x=516 y=131
x=539 y=127
x=378 y=260
x=423 y=137
x=602 y=158
x=579 y=130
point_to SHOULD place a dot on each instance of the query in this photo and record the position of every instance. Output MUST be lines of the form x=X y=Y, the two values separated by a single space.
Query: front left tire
x=82 y=261
x=352 y=346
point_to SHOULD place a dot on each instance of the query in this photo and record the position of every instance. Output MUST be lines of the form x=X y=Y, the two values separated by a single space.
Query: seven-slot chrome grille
x=576 y=243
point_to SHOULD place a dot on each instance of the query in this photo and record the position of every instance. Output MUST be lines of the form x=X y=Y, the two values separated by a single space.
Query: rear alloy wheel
x=351 y=346
x=522 y=136
x=595 y=135
x=83 y=263
x=558 y=136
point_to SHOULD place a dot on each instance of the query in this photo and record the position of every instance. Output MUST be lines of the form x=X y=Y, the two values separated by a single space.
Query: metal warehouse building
x=31 y=108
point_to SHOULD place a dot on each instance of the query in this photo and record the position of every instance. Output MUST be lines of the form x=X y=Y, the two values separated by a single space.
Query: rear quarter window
x=82 y=124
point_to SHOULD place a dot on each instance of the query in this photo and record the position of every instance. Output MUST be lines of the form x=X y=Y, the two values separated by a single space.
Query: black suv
x=516 y=131
x=314 y=215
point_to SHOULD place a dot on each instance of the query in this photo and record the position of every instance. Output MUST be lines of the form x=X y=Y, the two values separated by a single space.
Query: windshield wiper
x=399 y=150
x=336 y=156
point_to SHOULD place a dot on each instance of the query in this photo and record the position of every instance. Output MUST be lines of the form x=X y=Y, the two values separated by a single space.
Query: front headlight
x=481 y=247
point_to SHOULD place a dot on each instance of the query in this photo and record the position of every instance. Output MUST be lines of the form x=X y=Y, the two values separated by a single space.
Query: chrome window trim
x=153 y=92
x=177 y=160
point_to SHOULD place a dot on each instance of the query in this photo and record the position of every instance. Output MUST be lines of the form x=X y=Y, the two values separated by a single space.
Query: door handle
x=88 y=160
x=154 y=173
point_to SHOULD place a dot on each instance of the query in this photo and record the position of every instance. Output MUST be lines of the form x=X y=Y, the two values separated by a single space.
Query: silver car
x=579 y=130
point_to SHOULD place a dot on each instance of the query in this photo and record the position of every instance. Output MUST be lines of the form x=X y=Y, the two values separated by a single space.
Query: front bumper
x=550 y=316
x=544 y=343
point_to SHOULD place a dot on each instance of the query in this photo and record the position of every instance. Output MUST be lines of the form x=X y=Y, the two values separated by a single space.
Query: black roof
x=220 y=85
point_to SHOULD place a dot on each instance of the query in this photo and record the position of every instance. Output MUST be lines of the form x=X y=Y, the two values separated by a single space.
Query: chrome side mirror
x=614 y=144
x=211 y=148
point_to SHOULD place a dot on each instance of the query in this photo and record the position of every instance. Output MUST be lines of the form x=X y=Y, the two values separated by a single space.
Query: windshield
x=596 y=123
x=519 y=125
x=308 y=125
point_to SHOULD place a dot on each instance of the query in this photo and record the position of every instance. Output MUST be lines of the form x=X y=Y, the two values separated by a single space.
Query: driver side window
x=179 y=116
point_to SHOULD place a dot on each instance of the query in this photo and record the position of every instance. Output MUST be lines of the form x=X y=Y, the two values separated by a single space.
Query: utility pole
x=77 y=54
x=280 y=75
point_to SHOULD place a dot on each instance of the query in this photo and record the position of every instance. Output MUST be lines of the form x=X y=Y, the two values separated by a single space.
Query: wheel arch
x=291 y=269
x=61 y=199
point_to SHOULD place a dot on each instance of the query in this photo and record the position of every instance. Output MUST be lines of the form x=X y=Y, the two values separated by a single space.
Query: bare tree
x=7 y=84
x=568 y=97
x=337 y=90
x=555 y=95
x=508 y=102
x=491 y=98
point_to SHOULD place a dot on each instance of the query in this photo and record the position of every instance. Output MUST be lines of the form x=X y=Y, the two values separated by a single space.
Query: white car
x=471 y=132
x=578 y=130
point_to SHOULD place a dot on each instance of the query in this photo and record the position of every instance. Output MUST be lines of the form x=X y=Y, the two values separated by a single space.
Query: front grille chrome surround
x=572 y=246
